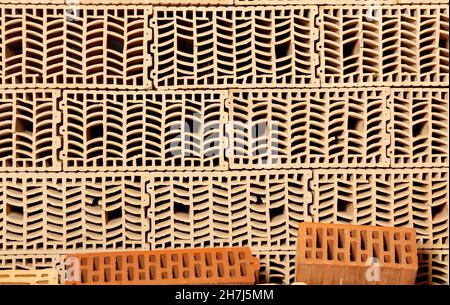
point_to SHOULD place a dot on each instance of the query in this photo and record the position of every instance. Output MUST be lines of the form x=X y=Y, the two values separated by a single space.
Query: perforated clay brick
x=225 y=47
x=433 y=267
x=308 y=128
x=419 y=127
x=400 y=46
x=58 y=213
x=74 y=47
x=29 y=139
x=29 y=277
x=258 y=209
x=338 y=254
x=276 y=267
x=130 y=131
x=168 y=267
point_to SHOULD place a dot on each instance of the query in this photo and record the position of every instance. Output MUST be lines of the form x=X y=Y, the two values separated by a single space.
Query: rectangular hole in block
x=175 y=272
x=208 y=258
x=330 y=250
x=152 y=272
x=353 y=251
x=185 y=257
x=220 y=270
x=386 y=242
x=107 y=274
x=163 y=260
x=341 y=238
x=363 y=240
x=197 y=270
x=398 y=254
x=319 y=236
x=231 y=259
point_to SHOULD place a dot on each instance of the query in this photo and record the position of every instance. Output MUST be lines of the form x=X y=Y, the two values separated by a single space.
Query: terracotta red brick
x=166 y=267
x=333 y=254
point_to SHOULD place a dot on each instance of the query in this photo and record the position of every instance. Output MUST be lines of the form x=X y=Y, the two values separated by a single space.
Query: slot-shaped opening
x=24 y=125
x=341 y=238
x=319 y=237
x=14 y=211
x=113 y=215
x=330 y=250
x=398 y=254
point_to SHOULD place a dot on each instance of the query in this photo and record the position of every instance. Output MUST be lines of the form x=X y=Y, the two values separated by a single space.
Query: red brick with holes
x=184 y=267
x=333 y=254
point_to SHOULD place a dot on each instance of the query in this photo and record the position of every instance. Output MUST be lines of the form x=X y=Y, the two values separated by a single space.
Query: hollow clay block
x=419 y=127
x=131 y=131
x=242 y=46
x=29 y=277
x=56 y=213
x=403 y=198
x=29 y=269
x=29 y=138
x=66 y=46
x=363 y=46
x=336 y=254
x=276 y=267
x=433 y=267
x=308 y=128
x=164 y=267
x=259 y=209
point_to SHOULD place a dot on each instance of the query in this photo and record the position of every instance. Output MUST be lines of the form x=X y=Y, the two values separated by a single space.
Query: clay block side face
x=63 y=213
x=143 y=131
x=419 y=127
x=29 y=138
x=308 y=128
x=433 y=267
x=342 y=254
x=89 y=46
x=28 y=262
x=29 y=269
x=234 y=47
x=400 y=198
x=403 y=46
x=276 y=267
x=168 y=267
x=260 y=210
x=29 y=277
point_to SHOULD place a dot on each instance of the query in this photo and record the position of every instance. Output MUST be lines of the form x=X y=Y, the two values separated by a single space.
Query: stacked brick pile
x=173 y=124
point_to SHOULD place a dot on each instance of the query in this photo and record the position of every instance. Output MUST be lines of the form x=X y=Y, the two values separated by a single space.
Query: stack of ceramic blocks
x=176 y=124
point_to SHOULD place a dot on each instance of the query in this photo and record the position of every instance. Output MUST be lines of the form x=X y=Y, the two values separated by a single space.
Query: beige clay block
x=404 y=198
x=226 y=47
x=29 y=277
x=433 y=267
x=419 y=127
x=29 y=269
x=48 y=46
x=29 y=138
x=400 y=46
x=143 y=131
x=276 y=267
x=308 y=128
x=57 y=213
x=259 y=209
